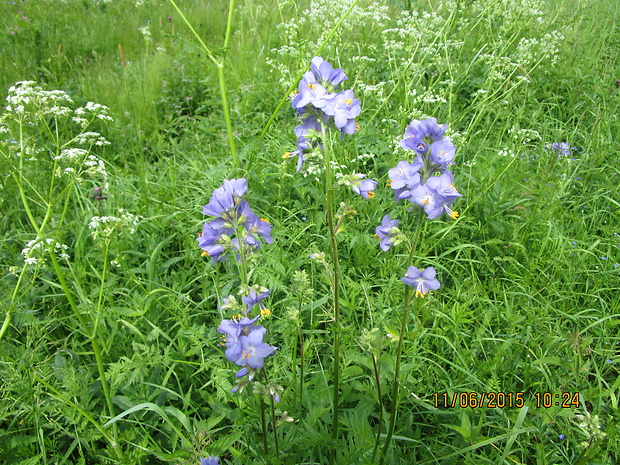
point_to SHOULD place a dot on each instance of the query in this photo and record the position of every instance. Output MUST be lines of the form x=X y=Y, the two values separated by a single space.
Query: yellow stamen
x=294 y=93
x=371 y=194
x=265 y=220
x=311 y=86
x=265 y=312
x=389 y=183
x=286 y=155
x=204 y=253
x=348 y=101
x=377 y=236
x=420 y=294
x=357 y=126
x=426 y=201
x=454 y=215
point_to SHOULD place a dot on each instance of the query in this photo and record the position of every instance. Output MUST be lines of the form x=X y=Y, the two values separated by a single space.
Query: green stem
x=264 y=424
x=378 y=381
x=273 y=415
x=220 y=73
x=69 y=402
x=95 y=344
x=7 y=322
x=226 y=109
x=403 y=329
x=335 y=285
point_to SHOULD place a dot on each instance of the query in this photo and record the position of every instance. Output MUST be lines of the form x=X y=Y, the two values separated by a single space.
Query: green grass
x=530 y=270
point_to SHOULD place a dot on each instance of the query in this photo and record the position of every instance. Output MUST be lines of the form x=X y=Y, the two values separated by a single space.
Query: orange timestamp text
x=505 y=399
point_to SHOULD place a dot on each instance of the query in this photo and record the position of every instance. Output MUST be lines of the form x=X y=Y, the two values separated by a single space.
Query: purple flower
x=422 y=281
x=562 y=149
x=443 y=151
x=387 y=232
x=363 y=187
x=235 y=227
x=232 y=331
x=443 y=185
x=255 y=296
x=226 y=197
x=343 y=107
x=258 y=226
x=254 y=350
x=325 y=73
x=211 y=460
x=428 y=199
x=311 y=92
x=405 y=177
x=425 y=128
x=319 y=100
x=212 y=239
x=307 y=138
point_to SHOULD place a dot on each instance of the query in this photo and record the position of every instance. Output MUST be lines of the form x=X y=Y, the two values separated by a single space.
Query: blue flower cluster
x=243 y=337
x=235 y=226
x=427 y=181
x=319 y=101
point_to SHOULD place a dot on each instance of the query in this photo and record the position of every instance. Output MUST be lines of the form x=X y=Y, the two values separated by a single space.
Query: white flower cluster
x=95 y=168
x=34 y=251
x=26 y=96
x=524 y=136
x=146 y=33
x=91 y=138
x=82 y=164
x=103 y=226
x=71 y=154
x=95 y=109
x=531 y=52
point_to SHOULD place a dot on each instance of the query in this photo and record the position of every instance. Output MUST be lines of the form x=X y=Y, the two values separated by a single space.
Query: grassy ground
x=530 y=271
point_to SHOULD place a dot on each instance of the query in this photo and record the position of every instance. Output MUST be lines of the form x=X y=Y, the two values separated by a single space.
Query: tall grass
x=529 y=272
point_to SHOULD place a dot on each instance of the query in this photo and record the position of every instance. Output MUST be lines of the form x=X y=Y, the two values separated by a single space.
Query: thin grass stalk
x=401 y=337
x=378 y=381
x=220 y=74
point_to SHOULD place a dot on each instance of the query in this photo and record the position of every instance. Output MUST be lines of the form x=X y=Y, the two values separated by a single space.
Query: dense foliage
x=120 y=129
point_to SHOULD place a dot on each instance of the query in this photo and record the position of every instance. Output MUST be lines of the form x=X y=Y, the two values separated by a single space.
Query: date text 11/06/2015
x=505 y=399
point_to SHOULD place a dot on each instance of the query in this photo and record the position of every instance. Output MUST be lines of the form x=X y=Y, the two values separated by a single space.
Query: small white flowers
x=103 y=226
x=91 y=138
x=71 y=154
x=34 y=251
x=146 y=33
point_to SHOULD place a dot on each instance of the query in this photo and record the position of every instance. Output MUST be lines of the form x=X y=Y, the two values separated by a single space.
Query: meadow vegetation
x=113 y=137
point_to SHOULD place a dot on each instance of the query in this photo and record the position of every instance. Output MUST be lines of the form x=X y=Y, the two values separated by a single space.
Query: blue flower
x=363 y=187
x=387 y=232
x=211 y=460
x=405 y=177
x=422 y=281
x=254 y=350
x=325 y=73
